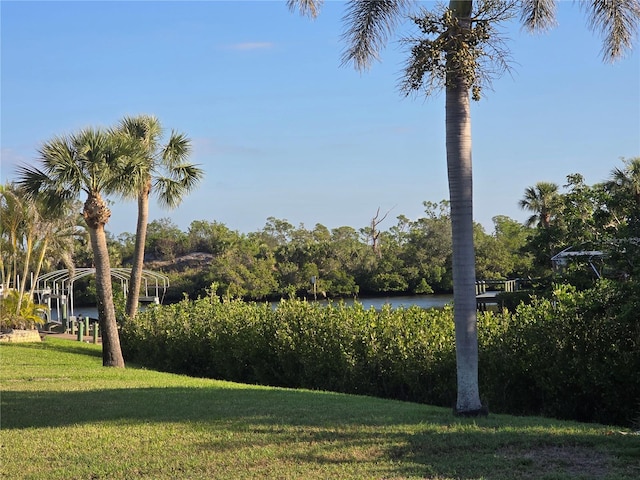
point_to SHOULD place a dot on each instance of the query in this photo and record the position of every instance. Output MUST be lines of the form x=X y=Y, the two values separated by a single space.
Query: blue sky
x=283 y=130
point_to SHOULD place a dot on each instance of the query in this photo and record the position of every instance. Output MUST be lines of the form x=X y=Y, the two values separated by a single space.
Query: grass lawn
x=64 y=416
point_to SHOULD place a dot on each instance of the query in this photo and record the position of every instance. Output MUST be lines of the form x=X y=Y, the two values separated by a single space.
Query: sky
x=283 y=130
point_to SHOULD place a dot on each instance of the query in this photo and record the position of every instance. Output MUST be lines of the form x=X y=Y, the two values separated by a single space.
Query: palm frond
x=368 y=27
x=94 y=159
x=188 y=174
x=31 y=181
x=617 y=21
x=59 y=157
x=538 y=15
x=169 y=192
x=38 y=186
x=182 y=179
x=309 y=8
x=627 y=177
x=177 y=149
x=60 y=178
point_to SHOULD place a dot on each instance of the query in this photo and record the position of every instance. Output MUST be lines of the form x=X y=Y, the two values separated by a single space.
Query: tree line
x=408 y=257
x=283 y=260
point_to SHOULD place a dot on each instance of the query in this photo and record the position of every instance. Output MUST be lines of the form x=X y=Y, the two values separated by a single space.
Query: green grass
x=64 y=416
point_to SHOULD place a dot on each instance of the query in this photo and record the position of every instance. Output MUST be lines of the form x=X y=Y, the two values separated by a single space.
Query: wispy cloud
x=245 y=46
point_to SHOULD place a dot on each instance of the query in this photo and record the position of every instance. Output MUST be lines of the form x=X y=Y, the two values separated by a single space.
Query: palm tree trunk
x=458 y=143
x=111 y=351
x=133 y=295
x=43 y=251
x=25 y=270
x=13 y=273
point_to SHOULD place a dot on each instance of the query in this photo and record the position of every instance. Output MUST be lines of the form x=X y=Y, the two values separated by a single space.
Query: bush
x=573 y=356
x=511 y=300
x=403 y=353
x=22 y=313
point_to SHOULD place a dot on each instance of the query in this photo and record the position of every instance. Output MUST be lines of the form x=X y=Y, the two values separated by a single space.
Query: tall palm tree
x=167 y=173
x=543 y=200
x=98 y=163
x=369 y=25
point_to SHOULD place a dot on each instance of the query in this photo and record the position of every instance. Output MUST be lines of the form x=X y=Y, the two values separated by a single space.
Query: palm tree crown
x=166 y=172
x=93 y=161
x=627 y=179
x=543 y=200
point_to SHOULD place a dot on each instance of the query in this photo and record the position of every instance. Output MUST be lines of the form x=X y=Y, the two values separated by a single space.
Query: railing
x=497 y=285
x=489 y=296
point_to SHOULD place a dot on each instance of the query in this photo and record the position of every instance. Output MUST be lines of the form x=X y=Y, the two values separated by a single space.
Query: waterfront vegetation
x=66 y=417
x=412 y=256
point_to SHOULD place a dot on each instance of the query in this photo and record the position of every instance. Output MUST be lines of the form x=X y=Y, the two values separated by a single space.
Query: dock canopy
x=560 y=259
x=58 y=285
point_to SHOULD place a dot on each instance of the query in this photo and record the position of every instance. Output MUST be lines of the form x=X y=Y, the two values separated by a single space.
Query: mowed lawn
x=64 y=416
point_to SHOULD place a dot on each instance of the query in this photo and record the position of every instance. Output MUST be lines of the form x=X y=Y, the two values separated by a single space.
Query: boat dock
x=487 y=291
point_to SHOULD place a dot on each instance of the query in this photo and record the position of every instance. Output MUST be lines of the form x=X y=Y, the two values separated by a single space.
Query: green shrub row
x=403 y=353
x=573 y=356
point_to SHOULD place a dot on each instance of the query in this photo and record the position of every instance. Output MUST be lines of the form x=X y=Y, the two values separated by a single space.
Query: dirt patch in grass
x=580 y=462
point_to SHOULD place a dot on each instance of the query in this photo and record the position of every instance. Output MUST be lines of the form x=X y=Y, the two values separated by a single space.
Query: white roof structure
x=559 y=260
x=59 y=285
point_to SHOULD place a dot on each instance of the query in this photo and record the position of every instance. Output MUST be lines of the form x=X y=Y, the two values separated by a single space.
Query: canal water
x=422 y=301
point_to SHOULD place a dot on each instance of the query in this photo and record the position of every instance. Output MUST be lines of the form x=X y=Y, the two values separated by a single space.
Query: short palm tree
x=11 y=221
x=31 y=231
x=57 y=233
x=166 y=173
x=455 y=68
x=543 y=200
x=98 y=163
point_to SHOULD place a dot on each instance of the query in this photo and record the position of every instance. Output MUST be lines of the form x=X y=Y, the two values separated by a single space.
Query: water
x=91 y=312
x=422 y=301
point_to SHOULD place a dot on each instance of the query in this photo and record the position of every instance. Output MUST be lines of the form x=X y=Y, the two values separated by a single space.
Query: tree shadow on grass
x=72 y=347
x=321 y=428
x=78 y=349
x=176 y=404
